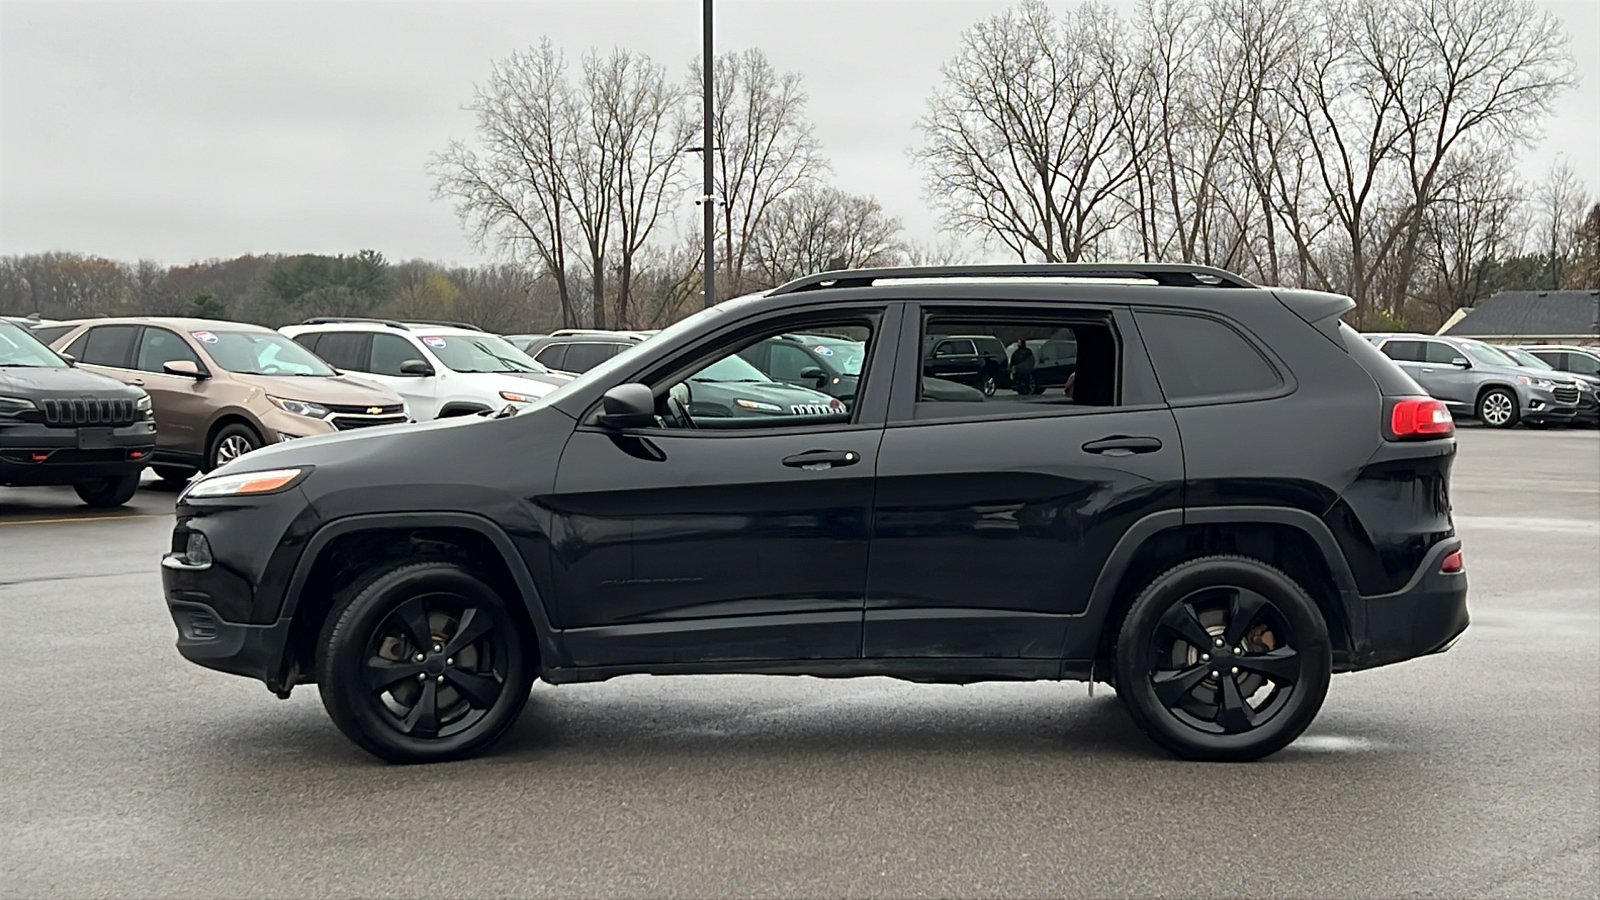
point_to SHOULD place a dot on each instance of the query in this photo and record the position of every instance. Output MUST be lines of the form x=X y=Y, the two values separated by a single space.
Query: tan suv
x=222 y=389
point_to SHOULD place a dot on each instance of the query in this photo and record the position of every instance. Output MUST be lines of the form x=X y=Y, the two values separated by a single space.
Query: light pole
x=708 y=199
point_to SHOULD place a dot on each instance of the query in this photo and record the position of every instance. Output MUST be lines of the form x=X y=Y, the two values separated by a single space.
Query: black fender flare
x=1083 y=643
x=550 y=651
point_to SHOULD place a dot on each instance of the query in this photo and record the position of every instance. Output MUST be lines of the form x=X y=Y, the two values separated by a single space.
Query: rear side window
x=551 y=356
x=308 y=340
x=1199 y=358
x=109 y=345
x=1583 y=364
x=1404 y=351
x=583 y=357
x=1050 y=363
x=344 y=350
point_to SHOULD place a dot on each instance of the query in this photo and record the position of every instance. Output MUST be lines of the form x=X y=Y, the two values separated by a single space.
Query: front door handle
x=822 y=459
x=1122 y=445
x=1427 y=370
x=137 y=382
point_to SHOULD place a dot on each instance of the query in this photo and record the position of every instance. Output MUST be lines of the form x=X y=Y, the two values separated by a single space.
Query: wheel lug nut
x=441 y=679
x=1219 y=642
x=438 y=648
x=450 y=661
x=421 y=677
x=418 y=657
x=1235 y=670
x=1215 y=674
x=1205 y=657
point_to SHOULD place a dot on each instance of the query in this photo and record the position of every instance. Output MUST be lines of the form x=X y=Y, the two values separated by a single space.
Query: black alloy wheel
x=425 y=663
x=989 y=386
x=1223 y=658
x=104 y=493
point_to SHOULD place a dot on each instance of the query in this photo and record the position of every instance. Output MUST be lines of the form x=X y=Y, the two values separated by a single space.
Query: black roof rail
x=1165 y=274
x=339 y=320
x=467 y=325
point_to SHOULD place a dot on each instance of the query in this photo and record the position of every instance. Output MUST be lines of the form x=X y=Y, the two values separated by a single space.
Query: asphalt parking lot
x=126 y=771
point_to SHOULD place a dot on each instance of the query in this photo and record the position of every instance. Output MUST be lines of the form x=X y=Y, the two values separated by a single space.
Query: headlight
x=267 y=482
x=10 y=406
x=143 y=407
x=299 y=407
x=757 y=404
x=515 y=397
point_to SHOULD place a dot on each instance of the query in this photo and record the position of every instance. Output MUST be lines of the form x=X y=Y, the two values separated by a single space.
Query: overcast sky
x=195 y=130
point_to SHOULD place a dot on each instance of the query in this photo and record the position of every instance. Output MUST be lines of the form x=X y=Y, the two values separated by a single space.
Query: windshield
x=730 y=369
x=480 y=353
x=19 y=348
x=260 y=353
x=845 y=356
x=1486 y=355
x=1526 y=359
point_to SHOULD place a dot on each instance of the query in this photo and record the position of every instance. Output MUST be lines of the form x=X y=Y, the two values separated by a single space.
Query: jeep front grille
x=73 y=413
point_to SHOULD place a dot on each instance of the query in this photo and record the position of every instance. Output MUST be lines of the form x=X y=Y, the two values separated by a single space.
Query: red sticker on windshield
x=204 y=336
x=433 y=341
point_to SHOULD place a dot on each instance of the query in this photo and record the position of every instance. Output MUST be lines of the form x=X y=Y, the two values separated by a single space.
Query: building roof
x=1532 y=314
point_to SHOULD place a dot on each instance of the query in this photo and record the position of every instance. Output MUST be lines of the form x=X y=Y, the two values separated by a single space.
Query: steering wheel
x=270 y=370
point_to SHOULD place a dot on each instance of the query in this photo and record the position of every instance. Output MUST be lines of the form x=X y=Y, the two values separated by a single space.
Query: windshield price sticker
x=205 y=336
x=823 y=351
x=433 y=341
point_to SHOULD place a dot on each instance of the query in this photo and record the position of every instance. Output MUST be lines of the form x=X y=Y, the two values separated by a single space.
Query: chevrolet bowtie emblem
x=374 y=410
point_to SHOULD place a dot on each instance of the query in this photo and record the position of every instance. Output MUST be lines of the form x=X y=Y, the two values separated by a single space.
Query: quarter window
x=1201 y=358
x=1404 y=351
x=551 y=356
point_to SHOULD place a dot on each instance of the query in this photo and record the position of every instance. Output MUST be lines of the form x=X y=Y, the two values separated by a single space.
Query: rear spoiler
x=1320 y=310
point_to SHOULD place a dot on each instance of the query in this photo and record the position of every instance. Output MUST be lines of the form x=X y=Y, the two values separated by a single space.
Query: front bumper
x=1426 y=616
x=1541 y=404
x=36 y=454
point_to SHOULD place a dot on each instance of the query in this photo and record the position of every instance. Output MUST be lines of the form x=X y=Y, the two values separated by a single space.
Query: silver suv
x=1476 y=378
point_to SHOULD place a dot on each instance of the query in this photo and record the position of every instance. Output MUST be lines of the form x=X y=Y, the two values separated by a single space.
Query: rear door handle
x=822 y=459
x=1121 y=445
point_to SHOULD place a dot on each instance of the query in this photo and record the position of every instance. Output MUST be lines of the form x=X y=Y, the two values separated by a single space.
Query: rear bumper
x=1426 y=616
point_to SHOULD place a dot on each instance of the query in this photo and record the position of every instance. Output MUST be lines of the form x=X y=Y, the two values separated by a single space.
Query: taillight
x=1452 y=563
x=1420 y=417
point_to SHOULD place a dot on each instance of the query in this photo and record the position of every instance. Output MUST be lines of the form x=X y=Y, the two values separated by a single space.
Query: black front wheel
x=424 y=663
x=108 y=492
x=1223 y=658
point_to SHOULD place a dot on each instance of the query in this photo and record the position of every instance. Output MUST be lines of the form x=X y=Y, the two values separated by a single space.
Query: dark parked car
x=1588 y=385
x=979 y=361
x=63 y=425
x=824 y=362
x=1580 y=363
x=1239 y=498
x=575 y=353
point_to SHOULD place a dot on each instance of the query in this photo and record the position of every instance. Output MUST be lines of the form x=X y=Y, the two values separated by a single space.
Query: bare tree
x=1032 y=136
x=1476 y=218
x=764 y=145
x=513 y=196
x=1559 y=205
x=818 y=228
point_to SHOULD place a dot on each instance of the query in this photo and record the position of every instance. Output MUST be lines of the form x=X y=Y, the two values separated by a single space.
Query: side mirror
x=184 y=367
x=814 y=373
x=1461 y=362
x=416 y=367
x=627 y=406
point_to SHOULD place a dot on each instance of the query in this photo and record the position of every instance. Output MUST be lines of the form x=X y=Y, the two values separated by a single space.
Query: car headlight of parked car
x=268 y=482
x=515 y=397
x=299 y=407
x=758 y=405
x=1537 y=382
x=11 y=406
x=144 y=408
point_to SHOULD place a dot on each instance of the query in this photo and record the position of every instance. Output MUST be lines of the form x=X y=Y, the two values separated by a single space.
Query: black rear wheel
x=108 y=492
x=1223 y=658
x=424 y=663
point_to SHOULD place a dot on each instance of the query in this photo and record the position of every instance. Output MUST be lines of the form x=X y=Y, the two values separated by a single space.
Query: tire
x=232 y=442
x=1165 y=676
x=108 y=492
x=172 y=475
x=1498 y=408
x=367 y=660
x=988 y=386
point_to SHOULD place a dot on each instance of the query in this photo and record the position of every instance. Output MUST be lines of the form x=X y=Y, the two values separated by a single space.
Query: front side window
x=479 y=353
x=390 y=352
x=1440 y=354
x=1198 y=358
x=20 y=349
x=1036 y=362
x=260 y=353
x=722 y=389
x=158 y=346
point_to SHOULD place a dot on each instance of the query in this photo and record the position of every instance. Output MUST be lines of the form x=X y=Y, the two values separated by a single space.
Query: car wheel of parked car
x=105 y=492
x=231 y=443
x=423 y=664
x=1497 y=408
x=988 y=386
x=1223 y=658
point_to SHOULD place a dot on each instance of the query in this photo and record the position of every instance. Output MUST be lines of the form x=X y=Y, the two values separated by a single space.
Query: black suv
x=1239 y=497
x=62 y=425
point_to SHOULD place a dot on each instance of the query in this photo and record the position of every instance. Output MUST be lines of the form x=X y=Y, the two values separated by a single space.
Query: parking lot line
x=83 y=519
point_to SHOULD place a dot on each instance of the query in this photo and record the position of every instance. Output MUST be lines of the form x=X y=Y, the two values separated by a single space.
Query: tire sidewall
x=228 y=431
x=342 y=654
x=1511 y=397
x=1133 y=662
x=105 y=493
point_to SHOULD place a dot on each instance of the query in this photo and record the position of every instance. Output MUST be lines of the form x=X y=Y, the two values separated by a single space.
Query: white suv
x=441 y=369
